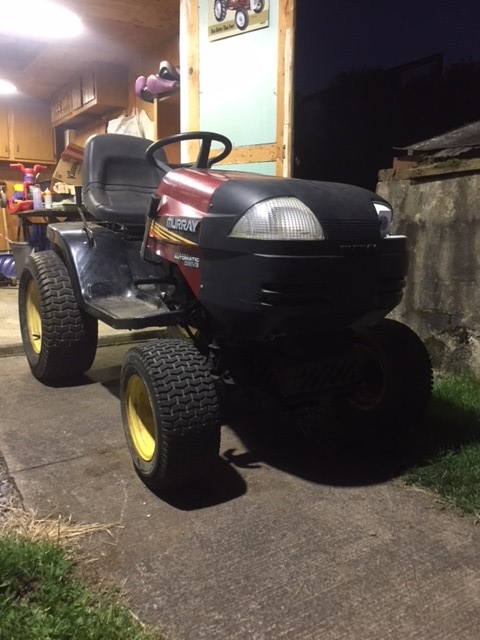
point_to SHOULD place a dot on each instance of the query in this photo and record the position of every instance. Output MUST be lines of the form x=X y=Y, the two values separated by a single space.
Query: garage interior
x=121 y=41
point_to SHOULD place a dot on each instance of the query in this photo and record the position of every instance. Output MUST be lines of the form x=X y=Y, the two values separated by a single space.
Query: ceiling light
x=7 y=87
x=39 y=19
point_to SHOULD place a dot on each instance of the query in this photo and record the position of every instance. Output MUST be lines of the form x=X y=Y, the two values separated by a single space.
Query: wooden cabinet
x=26 y=133
x=88 y=82
x=4 y=142
x=66 y=101
x=32 y=134
x=76 y=93
x=59 y=105
x=56 y=105
x=99 y=89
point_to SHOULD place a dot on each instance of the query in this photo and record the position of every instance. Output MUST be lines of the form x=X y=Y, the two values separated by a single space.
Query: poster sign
x=228 y=18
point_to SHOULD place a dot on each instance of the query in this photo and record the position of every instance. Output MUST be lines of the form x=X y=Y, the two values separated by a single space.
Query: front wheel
x=59 y=339
x=258 y=8
x=170 y=413
x=397 y=376
x=241 y=19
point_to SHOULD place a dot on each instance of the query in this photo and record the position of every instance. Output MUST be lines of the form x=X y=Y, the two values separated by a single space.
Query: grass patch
x=42 y=593
x=452 y=440
x=26 y=524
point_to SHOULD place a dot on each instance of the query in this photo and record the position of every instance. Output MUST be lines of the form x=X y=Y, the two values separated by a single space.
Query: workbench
x=32 y=224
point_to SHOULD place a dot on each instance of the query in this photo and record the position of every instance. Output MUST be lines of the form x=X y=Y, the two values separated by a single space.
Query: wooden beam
x=281 y=151
x=189 y=63
x=255 y=153
x=285 y=79
x=444 y=168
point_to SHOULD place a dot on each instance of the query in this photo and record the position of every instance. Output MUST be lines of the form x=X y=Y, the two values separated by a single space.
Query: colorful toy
x=160 y=85
x=17 y=202
x=30 y=175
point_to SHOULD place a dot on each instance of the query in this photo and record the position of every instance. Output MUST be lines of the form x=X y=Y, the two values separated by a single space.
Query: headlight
x=385 y=214
x=278 y=219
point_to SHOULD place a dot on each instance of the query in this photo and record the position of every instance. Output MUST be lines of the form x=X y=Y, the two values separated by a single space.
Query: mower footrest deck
x=122 y=312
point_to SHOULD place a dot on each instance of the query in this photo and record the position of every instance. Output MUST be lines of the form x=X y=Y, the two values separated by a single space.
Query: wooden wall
x=241 y=86
x=165 y=115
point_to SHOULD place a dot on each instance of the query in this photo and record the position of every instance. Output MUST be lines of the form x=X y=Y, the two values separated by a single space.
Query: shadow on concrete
x=331 y=461
x=310 y=451
x=223 y=484
x=323 y=456
x=108 y=376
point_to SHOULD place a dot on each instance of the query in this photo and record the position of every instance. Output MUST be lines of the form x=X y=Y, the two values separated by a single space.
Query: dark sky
x=339 y=35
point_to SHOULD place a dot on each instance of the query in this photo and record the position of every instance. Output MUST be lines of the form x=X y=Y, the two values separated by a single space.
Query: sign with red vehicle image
x=232 y=17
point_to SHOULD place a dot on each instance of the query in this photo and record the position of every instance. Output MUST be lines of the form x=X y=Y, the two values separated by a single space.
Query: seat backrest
x=118 y=182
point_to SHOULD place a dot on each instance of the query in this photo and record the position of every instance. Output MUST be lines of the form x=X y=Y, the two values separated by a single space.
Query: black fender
x=101 y=261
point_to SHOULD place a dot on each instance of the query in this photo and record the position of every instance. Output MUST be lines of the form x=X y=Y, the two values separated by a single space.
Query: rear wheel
x=397 y=380
x=258 y=8
x=220 y=10
x=170 y=413
x=59 y=339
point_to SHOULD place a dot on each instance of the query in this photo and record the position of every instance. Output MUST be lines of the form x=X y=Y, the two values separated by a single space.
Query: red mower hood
x=195 y=187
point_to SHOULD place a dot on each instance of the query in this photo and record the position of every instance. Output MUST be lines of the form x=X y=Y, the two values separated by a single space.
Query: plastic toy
x=30 y=176
x=159 y=86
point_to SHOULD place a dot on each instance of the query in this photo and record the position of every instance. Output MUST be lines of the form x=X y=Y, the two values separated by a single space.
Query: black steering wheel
x=203 y=160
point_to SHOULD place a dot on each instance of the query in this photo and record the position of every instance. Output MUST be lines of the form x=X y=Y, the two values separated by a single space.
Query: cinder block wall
x=440 y=214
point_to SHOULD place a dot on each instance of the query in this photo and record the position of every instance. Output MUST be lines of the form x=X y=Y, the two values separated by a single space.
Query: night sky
x=340 y=35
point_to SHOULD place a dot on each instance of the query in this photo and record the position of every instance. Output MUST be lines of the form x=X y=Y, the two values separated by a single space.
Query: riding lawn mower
x=281 y=287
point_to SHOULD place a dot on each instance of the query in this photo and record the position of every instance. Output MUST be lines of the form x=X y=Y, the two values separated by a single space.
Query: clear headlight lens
x=278 y=219
x=385 y=215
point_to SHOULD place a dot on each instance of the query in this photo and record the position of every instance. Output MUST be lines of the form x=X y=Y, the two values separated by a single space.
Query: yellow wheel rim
x=140 y=418
x=33 y=317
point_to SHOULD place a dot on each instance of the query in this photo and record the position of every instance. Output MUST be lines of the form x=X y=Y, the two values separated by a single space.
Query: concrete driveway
x=291 y=541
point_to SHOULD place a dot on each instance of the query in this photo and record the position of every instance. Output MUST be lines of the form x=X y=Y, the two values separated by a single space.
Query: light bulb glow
x=39 y=19
x=7 y=88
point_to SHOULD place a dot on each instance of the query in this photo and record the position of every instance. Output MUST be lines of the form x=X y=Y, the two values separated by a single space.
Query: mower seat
x=118 y=182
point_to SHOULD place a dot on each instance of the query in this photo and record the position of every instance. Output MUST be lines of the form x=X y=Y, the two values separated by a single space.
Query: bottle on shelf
x=37 y=198
x=47 y=198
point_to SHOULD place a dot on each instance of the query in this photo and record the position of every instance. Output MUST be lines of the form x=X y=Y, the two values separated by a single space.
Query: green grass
x=452 y=444
x=42 y=597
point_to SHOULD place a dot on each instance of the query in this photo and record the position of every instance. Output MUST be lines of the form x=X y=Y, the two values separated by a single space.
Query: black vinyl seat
x=118 y=182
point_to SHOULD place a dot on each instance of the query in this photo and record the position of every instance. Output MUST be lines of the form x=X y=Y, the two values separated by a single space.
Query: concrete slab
x=290 y=541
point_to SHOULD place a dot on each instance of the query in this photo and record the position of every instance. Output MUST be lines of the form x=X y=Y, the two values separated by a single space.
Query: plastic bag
x=147 y=126
x=137 y=124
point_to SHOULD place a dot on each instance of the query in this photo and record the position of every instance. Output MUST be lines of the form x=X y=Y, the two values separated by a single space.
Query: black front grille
x=329 y=375
x=352 y=230
x=293 y=295
x=324 y=377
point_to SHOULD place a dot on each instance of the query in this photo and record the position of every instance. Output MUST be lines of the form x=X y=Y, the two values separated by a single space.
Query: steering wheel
x=203 y=160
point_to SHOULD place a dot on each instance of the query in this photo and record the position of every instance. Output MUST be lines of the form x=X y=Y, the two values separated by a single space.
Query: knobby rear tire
x=59 y=338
